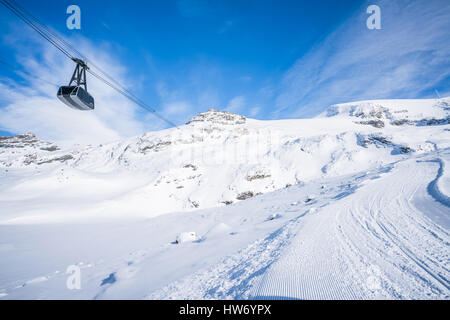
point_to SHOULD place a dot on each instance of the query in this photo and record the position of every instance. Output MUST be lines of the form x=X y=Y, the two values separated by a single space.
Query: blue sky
x=263 y=59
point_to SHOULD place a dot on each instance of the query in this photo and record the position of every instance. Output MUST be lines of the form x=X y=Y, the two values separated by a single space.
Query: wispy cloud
x=34 y=108
x=240 y=105
x=254 y=111
x=408 y=57
x=236 y=105
x=195 y=85
x=177 y=110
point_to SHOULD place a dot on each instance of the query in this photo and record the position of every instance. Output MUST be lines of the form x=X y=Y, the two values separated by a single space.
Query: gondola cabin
x=76 y=97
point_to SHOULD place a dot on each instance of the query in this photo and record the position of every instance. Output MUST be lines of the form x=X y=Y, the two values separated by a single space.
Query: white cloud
x=409 y=56
x=34 y=107
x=178 y=108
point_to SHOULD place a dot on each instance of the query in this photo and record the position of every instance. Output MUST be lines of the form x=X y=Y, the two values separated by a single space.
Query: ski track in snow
x=372 y=245
x=235 y=274
x=433 y=187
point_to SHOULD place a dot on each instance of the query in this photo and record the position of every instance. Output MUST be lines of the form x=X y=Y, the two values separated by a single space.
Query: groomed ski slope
x=369 y=235
x=358 y=244
x=371 y=240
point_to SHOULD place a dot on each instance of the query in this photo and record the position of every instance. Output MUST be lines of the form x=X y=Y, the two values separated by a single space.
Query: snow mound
x=218 y=230
x=187 y=237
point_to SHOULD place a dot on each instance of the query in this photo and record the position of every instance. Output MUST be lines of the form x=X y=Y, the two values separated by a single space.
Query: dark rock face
x=258 y=176
x=400 y=122
x=373 y=123
x=433 y=122
x=51 y=148
x=26 y=149
x=57 y=159
x=245 y=195
x=191 y=166
x=156 y=147
x=380 y=141
x=423 y=122
x=19 y=141
x=194 y=204
x=26 y=140
x=378 y=112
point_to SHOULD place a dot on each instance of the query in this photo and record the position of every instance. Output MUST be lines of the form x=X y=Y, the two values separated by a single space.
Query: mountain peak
x=20 y=140
x=218 y=117
x=395 y=112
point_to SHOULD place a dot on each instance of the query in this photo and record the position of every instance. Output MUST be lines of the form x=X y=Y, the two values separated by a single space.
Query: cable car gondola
x=75 y=96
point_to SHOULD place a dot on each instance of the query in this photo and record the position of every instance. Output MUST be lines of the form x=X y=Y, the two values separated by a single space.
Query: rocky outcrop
x=218 y=117
x=27 y=149
x=26 y=140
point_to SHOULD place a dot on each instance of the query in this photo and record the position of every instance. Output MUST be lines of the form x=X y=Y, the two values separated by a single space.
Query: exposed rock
x=50 y=148
x=194 y=204
x=156 y=147
x=26 y=149
x=404 y=149
x=29 y=159
x=433 y=122
x=245 y=195
x=381 y=141
x=400 y=122
x=19 y=141
x=26 y=140
x=373 y=123
x=258 y=176
x=423 y=122
x=60 y=159
x=274 y=216
x=194 y=168
x=218 y=117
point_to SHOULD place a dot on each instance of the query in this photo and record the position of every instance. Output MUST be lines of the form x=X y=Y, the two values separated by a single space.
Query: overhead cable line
x=21 y=16
x=65 y=47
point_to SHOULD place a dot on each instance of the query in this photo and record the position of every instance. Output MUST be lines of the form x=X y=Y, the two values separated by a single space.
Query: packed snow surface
x=352 y=204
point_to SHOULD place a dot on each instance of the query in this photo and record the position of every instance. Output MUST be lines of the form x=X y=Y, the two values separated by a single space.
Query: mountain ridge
x=220 y=158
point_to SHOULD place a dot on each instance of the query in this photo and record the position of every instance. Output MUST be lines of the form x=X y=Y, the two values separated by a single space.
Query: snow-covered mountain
x=351 y=204
x=220 y=158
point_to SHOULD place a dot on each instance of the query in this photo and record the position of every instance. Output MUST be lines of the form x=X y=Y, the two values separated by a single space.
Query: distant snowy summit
x=378 y=113
x=27 y=149
x=26 y=140
x=218 y=117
